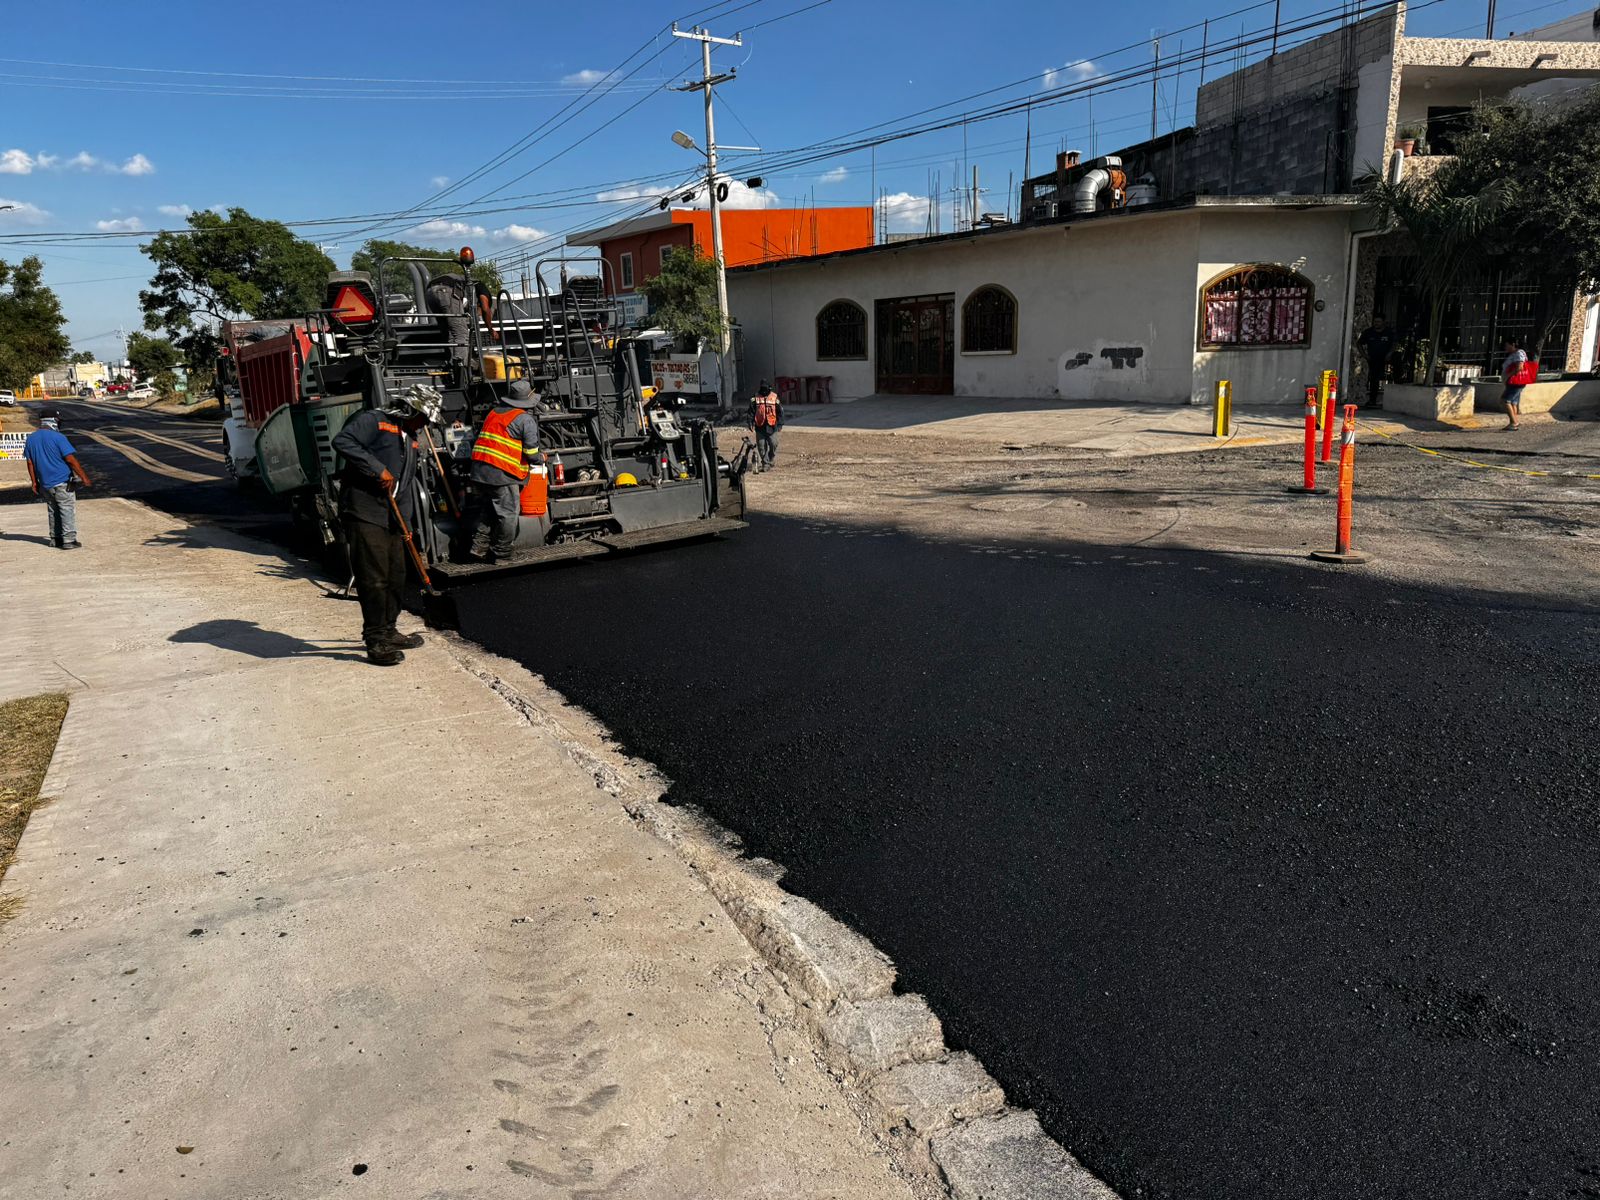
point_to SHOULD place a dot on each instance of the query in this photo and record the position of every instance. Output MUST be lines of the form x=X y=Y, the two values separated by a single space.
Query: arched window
x=989 y=322
x=842 y=331
x=1258 y=305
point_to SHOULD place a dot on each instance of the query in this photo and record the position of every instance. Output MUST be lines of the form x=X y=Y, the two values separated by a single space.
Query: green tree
x=226 y=267
x=31 y=321
x=683 y=297
x=1550 y=235
x=154 y=358
x=374 y=251
x=80 y=357
x=1447 y=219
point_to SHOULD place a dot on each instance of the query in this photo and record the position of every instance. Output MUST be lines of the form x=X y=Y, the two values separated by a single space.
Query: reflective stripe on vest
x=497 y=447
x=766 y=412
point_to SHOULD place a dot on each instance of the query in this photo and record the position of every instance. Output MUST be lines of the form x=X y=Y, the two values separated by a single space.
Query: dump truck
x=621 y=468
x=258 y=371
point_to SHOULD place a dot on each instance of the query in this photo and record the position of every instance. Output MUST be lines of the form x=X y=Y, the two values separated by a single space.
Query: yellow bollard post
x=1324 y=391
x=1222 y=410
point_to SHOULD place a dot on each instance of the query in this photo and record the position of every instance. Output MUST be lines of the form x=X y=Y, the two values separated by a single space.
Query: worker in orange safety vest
x=508 y=440
x=766 y=418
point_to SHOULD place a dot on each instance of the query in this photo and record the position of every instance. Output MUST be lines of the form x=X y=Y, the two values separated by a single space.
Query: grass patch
x=28 y=730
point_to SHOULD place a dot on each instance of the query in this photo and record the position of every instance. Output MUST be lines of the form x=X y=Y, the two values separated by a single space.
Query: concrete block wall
x=1284 y=147
x=1312 y=67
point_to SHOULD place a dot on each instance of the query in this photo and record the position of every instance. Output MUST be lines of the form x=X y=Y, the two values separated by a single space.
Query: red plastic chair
x=788 y=389
x=819 y=389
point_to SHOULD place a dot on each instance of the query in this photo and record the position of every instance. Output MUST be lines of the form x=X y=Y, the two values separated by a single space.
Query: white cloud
x=837 y=175
x=629 y=191
x=20 y=212
x=520 y=233
x=439 y=181
x=174 y=210
x=907 y=212
x=587 y=77
x=440 y=228
x=1071 y=73
x=121 y=225
x=20 y=162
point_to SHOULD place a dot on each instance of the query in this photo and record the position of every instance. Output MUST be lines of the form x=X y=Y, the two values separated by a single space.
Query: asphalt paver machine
x=620 y=469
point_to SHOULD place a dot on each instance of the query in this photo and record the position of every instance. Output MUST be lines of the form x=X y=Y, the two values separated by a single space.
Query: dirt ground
x=28 y=730
x=1421 y=518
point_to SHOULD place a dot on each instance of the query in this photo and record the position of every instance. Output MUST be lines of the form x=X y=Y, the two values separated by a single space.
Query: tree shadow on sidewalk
x=246 y=637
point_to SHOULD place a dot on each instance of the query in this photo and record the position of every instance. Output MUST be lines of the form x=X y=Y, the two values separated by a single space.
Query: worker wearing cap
x=380 y=471
x=766 y=418
x=507 y=442
x=52 y=466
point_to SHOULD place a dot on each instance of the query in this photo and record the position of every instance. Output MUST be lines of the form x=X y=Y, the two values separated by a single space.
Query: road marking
x=175 y=443
x=141 y=459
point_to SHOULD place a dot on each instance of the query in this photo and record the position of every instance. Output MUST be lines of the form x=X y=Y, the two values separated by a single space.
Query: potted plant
x=1406 y=139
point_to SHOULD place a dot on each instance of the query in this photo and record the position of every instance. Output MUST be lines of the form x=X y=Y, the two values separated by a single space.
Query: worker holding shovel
x=377 y=507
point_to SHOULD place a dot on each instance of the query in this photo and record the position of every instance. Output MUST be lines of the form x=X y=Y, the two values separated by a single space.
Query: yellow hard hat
x=626 y=480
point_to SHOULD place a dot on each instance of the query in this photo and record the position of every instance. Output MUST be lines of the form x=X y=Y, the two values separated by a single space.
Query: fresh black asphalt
x=1254 y=879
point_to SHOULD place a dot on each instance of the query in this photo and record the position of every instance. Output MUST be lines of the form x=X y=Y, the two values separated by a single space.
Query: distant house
x=634 y=249
x=1237 y=249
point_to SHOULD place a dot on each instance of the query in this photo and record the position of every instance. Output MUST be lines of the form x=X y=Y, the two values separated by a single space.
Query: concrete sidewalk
x=1116 y=430
x=295 y=925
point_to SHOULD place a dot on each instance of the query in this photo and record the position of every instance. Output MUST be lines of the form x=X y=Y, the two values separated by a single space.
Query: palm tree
x=1447 y=230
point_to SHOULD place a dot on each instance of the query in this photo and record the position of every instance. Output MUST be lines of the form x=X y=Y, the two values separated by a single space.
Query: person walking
x=505 y=445
x=1377 y=343
x=766 y=419
x=52 y=467
x=1514 y=372
x=379 y=476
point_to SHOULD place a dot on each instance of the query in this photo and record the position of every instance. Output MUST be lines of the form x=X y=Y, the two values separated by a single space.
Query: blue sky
x=121 y=117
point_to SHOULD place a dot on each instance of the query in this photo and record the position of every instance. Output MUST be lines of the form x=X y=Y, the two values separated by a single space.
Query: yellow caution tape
x=1472 y=462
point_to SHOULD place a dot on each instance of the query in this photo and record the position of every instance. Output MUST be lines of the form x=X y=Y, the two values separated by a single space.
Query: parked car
x=141 y=391
x=86 y=393
x=7 y=397
x=116 y=389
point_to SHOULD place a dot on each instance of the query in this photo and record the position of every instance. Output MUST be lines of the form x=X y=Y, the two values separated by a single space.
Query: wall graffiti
x=1123 y=356
x=1082 y=358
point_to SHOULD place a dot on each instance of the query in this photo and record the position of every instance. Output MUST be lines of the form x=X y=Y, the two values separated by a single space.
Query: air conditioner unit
x=1044 y=210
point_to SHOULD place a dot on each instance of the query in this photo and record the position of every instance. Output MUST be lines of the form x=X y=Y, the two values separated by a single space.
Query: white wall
x=1107 y=309
x=1371 y=149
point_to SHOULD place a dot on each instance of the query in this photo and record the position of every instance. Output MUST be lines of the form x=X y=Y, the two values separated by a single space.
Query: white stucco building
x=1112 y=307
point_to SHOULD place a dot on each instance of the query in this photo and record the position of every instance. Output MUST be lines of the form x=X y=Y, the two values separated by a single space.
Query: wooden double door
x=917 y=345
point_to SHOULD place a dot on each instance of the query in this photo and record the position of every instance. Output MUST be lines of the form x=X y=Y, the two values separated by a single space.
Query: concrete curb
x=942 y=1118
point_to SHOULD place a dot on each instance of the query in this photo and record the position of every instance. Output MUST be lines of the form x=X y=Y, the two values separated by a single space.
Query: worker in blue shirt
x=52 y=465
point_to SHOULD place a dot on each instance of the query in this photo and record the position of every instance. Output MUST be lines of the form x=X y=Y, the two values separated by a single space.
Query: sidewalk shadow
x=39 y=538
x=246 y=637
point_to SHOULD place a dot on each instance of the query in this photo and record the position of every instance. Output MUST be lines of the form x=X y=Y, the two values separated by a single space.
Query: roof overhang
x=625 y=228
x=1348 y=204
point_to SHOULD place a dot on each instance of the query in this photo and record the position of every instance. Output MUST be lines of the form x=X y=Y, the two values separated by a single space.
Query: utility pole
x=1155 y=84
x=706 y=83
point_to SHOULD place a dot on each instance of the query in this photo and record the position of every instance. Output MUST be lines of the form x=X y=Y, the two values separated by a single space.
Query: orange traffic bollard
x=1309 y=487
x=1341 y=552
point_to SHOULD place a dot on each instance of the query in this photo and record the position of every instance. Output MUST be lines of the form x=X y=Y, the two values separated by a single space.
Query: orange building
x=633 y=249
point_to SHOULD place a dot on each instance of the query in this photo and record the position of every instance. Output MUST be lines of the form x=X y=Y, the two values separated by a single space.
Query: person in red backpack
x=766 y=418
x=1514 y=372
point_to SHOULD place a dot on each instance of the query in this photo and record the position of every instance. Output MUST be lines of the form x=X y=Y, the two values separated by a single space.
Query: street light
x=682 y=138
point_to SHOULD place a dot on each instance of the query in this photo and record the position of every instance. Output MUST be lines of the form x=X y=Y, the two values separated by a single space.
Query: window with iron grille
x=1262 y=305
x=989 y=322
x=842 y=331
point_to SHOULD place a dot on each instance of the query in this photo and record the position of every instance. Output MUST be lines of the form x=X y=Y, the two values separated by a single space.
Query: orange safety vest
x=497 y=447
x=766 y=411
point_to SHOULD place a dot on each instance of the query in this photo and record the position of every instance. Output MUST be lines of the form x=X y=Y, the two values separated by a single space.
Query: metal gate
x=917 y=345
